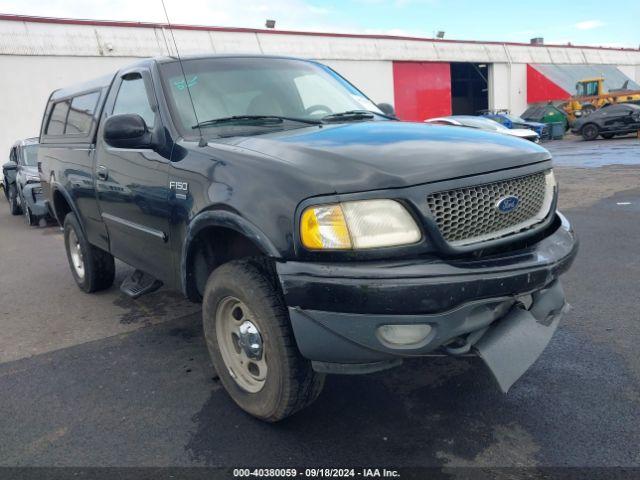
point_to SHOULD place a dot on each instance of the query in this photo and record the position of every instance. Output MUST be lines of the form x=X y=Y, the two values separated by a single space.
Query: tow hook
x=462 y=345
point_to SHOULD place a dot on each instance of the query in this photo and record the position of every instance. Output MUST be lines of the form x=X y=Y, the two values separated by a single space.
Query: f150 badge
x=181 y=189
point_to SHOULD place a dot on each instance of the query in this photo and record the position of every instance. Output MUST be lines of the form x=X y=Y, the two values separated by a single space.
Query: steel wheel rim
x=75 y=251
x=241 y=346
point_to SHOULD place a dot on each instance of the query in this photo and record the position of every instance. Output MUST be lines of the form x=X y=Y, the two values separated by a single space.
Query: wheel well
x=60 y=206
x=210 y=248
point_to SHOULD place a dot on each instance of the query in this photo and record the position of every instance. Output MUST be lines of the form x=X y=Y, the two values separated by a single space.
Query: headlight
x=358 y=225
x=32 y=178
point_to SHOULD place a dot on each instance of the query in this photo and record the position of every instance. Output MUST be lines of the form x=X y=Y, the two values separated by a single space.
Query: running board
x=139 y=283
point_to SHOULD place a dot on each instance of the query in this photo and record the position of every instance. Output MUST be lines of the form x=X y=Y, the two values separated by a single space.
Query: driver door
x=613 y=118
x=131 y=184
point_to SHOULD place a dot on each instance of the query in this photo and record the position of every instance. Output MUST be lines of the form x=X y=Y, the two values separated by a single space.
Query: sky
x=582 y=22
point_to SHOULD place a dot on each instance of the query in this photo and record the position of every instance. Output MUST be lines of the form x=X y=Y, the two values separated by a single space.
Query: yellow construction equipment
x=590 y=96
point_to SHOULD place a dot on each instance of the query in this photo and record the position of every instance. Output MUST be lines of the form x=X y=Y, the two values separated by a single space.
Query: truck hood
x=372 y=155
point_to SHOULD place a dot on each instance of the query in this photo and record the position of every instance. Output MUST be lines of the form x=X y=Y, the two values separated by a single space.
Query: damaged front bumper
x=34 y=200
x=504 y=307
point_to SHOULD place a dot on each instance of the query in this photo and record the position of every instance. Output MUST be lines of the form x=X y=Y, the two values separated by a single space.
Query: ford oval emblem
x=507 y=204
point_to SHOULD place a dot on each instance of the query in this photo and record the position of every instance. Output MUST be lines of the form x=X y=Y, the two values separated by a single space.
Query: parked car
x=513 y=121
x=320 y=234
x=608 y=122
x=22 y=182
x=485 y=124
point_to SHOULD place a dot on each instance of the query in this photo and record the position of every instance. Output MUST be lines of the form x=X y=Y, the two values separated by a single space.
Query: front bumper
x=34 y=199
x=336 y=309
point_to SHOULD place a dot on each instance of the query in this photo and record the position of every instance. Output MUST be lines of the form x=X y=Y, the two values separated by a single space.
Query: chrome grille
x=470 y=214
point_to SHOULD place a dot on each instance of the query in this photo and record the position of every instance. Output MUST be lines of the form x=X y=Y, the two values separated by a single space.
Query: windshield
x=30 y=156
x=587 y=88
x=228 y=87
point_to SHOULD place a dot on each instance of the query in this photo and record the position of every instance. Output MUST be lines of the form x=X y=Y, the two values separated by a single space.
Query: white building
x=421 y=77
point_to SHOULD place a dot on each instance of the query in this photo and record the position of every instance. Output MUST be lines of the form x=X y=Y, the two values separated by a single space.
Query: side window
x=132 y=98
x=12 y=155
x=58 y=118
x=613 y=110
x=81 y=113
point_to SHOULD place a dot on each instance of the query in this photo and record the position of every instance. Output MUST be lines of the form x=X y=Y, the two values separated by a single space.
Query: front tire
x=590 y=131
x=28 y=216
x=93 y=269
x=251 y=343
x=14 y=205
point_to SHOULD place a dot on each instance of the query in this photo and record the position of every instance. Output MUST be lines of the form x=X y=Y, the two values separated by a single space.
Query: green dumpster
x=550 y=114
x=557 y=130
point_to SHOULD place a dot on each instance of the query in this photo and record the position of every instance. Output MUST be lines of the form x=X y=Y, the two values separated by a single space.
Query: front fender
x=226 y=219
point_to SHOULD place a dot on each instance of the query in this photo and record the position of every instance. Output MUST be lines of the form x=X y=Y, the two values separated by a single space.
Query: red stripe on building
x=542 y=89
x=422 y=90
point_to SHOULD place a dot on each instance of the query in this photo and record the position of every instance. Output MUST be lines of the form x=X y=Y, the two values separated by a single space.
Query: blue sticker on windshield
x=181 y=85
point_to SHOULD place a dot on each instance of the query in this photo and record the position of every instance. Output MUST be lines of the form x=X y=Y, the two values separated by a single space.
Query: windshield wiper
x=262 y=119
x=349 y=115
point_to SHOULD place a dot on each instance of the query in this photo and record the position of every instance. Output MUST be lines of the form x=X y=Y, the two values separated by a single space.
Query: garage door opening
x=469 y=89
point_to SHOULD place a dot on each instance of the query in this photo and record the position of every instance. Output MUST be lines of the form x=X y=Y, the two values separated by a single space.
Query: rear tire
x=274 y=380
x=590 y=131
x=93 y=269
x=14 y=207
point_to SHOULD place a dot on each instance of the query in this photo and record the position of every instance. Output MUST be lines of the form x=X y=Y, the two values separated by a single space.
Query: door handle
x=102 y=172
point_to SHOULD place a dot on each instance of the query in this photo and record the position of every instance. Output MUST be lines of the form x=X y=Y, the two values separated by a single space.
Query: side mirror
x=128 y=130
x=387 y=109
x=10 y=166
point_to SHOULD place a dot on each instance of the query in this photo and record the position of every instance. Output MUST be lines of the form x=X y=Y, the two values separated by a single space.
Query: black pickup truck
x=321 y=234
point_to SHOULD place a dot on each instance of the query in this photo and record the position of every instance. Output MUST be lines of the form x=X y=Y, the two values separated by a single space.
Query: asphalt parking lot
x=102 y=380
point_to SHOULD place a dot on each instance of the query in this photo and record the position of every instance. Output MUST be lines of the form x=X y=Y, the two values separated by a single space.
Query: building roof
x=40 y=36
x=131 y=24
